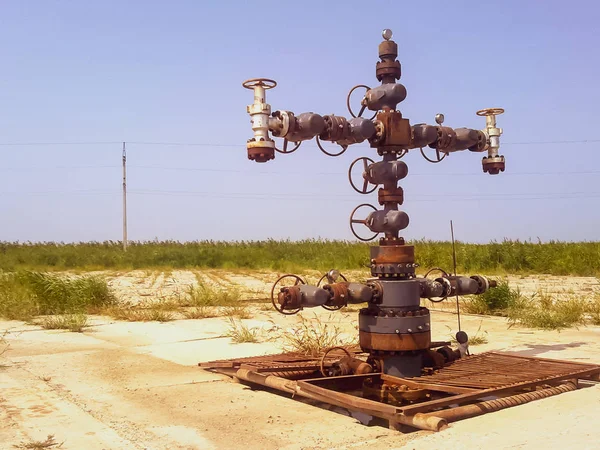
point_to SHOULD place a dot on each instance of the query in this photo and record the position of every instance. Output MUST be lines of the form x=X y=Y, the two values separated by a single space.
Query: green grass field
x=516 y=257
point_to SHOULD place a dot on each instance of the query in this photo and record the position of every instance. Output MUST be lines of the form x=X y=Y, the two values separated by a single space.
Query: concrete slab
x=126 y=385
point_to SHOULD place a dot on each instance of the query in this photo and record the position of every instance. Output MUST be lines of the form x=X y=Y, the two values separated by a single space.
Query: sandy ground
x=125 y=385
x=141 y=286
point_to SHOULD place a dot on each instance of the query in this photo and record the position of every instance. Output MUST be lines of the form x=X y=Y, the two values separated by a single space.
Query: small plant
x=72 y=322
x=475 y=305
x=312 y=337
x=207 y=295
x=495 y=301
x=200 y=312
x=476 y=339
x=239 y=311
x=240 y=333
x=40 y=445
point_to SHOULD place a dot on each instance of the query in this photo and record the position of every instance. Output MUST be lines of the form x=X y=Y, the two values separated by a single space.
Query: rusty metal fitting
x=336 y=128
x=290 y=297
x=394 y=195
x=402 y=270
x=392 y=254
x=391 y=241
x=260 y=151
x=446 y=139
x=493 y=165
x=394 y=342
x=448 y=354
x=388 y=50
x=282 y=123
x=396 y=131
x=338 y=294
x=376 y=298
x=388 y=70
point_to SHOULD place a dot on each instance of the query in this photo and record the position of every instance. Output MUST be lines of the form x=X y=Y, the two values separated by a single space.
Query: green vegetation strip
x=558 y=258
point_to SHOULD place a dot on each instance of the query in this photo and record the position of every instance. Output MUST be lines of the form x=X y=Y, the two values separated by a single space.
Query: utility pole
x=124 y=198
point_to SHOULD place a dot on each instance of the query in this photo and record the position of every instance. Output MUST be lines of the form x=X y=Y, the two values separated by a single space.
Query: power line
x=241 y=144
x=284 y=173
x=17 y=144
x=417 y=198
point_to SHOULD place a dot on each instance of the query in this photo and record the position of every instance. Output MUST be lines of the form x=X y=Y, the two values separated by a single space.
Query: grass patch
x=207 y=295
x=593 y=310
x=240 y=333
x=495 y=301
x=24 y=295
x=547 y=313
x=72 y=322
x=507 y=256
x=130 y=314
x=313 y=337
x=200 y=312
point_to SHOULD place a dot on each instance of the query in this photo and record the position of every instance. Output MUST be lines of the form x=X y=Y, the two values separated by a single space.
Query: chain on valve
x=394 y=329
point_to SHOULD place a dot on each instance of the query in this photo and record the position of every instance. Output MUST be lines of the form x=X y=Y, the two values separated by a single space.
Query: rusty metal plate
x=395 y=342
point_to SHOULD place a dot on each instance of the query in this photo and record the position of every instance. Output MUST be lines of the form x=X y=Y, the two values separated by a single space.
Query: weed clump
x=72 y=322
x=547 y=313
x=495 y=301
x=200 y=312
x=240 y=333
x=313 y=337
x=24 y=295
x=206 y=295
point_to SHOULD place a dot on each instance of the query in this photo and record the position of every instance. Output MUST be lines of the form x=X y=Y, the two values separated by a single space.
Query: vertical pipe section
x=124 y=198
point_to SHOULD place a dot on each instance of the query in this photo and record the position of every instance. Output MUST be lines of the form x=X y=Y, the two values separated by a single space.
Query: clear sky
x=86 y=75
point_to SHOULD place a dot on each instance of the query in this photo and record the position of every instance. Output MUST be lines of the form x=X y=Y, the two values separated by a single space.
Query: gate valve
x=261 y=148
x=389 y=221
x=493 y=163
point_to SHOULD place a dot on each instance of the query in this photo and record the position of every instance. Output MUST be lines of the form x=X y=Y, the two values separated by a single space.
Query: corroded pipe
x=477 y=409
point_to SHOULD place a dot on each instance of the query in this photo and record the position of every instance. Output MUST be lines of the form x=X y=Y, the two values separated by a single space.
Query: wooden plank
x=425 y=406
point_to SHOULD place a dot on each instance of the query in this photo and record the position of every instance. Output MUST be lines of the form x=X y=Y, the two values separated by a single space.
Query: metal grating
x=492 y=370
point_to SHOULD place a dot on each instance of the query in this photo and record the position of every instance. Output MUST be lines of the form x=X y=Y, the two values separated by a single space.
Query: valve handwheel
x=344 y=148
x=364 y=189
x=361 y=221
x=285 y=146
x=490 y=112
x=322 y=363
x=281 y=309
x=264 y=83
x=364 y=106
x=445 y=275
x=437 y=159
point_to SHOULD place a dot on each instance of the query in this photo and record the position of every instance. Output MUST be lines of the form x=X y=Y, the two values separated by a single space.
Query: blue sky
x=88 y=75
